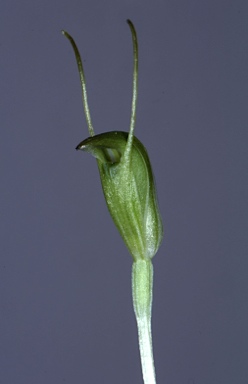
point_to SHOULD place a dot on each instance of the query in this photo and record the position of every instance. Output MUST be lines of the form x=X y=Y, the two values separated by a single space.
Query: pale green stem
x=142 y=284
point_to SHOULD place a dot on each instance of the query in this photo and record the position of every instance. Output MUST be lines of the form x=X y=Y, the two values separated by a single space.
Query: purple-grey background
x=65 y=275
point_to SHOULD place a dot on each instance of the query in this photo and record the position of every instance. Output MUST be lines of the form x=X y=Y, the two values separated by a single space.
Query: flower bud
x=129 y=190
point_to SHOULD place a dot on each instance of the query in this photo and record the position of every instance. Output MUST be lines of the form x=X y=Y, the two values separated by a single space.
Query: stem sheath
x=142 y=285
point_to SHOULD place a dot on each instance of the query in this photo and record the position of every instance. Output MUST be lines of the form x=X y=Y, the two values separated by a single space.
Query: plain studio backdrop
x=66 y=312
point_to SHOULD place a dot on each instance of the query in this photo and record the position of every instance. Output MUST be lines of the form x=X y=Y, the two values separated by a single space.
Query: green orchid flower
x=129 y=190
x=128 y=186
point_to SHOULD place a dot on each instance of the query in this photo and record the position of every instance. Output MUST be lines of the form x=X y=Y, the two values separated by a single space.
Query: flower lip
x=108 y=147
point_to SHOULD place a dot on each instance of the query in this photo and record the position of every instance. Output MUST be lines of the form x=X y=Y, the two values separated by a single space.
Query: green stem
x=142 y=284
